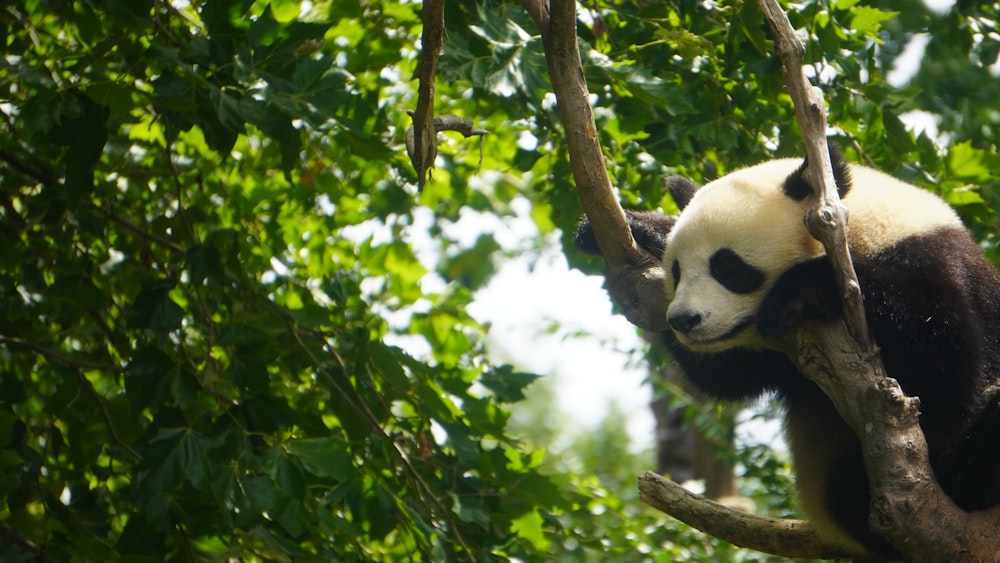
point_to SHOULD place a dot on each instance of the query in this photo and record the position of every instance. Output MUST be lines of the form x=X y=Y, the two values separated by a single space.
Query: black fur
x=649 y=229
x=806 y=291
x=976 y=482
x=848 y=474
x=933 y=307
x=798 y=189
x=681 y=189
x=733 y=273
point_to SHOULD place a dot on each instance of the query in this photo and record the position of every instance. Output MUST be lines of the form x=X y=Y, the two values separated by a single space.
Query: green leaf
x=473 y=509
x=529 y=527
x=285 y=10
x=390 y=360
x=203 y=262
x=971 y=164
x=507 y=384
x=132 y=12
x=147 y=377
x=153 y=308
x=898 y=137
x=867 y=20
x=179 y=455
x=365 y=145
x=83 y=130
x=473 y=268
x=324 y=457
x=230 y=109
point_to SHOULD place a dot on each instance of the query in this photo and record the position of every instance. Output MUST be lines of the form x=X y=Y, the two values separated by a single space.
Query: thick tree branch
x=635 y=279
x=908 y=508
x=791 y=538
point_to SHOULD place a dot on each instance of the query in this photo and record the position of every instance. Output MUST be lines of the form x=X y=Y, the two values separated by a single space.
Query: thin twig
x=140 y=233
x=45 y=177
x=52 y=355
x=13 y=536
x=78 y=364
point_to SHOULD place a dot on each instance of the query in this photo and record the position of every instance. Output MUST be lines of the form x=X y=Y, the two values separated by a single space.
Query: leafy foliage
x=212 y=289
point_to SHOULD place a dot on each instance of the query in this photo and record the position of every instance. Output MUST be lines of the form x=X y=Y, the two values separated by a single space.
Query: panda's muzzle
x=683 y=324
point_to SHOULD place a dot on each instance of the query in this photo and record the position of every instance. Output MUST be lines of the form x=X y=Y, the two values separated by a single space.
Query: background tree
x=220 y=337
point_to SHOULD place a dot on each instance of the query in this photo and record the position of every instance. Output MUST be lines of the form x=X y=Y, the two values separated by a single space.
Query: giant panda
x=742 y=270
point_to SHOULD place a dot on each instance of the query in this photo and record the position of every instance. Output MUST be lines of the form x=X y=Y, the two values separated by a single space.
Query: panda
x=742 y=271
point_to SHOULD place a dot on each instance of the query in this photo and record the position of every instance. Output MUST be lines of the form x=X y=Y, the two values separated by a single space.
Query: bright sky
x=588 y=371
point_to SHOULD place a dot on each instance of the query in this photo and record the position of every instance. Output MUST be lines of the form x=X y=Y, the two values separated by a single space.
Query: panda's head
x=731 y=242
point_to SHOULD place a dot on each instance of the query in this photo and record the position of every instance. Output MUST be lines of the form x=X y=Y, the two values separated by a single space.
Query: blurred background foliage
x=220 y=339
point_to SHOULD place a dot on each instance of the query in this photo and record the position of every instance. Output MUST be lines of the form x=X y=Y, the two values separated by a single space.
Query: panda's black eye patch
x=675 y=271
x=734 y=273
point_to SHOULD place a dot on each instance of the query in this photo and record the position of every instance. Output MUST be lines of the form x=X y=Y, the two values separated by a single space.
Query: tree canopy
x=209 y=276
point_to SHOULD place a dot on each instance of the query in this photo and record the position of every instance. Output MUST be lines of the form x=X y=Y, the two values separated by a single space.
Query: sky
x=591 y=356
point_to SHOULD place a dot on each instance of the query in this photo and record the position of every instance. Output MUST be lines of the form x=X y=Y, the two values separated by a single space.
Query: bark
x=790 y=538
x=634 y=278
x=424 y=143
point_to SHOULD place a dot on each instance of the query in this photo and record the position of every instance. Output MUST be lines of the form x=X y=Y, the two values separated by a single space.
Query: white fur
x=748 y=212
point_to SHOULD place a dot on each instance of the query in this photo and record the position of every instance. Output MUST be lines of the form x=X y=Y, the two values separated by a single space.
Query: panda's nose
x=684 y=322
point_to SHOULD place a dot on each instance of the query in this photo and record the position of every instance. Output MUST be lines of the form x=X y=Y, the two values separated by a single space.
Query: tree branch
x=13 y=536
x=446 y=122
x=635 y=278
x=791 y=538
x=424 y=141
x=827 y=219
x=908 y=508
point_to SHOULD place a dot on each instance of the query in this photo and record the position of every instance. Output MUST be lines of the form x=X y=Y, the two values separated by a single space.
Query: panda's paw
x=805 y=292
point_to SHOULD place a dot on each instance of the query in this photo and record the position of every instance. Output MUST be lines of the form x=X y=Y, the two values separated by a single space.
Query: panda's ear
x=649 y=229
x=798 y=189
x=681 y=189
